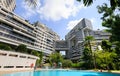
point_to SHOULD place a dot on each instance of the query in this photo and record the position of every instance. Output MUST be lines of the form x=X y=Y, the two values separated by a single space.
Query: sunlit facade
x=74 y=40
x=15 y=30
x=8 y=4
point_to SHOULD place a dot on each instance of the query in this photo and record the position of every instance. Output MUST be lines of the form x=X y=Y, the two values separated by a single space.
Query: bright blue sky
x=60 y=15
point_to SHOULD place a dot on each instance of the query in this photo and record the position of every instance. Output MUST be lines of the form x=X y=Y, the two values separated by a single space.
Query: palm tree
x=31 y=2
x=88 y=40
x=113 y=3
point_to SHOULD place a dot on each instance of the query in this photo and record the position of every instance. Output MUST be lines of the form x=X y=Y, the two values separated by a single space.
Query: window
x=22 y=56
x=19 y=66
x=3 y=54
x=8 y=66
x=27 y=66
x=13 y=55
x=30 y=58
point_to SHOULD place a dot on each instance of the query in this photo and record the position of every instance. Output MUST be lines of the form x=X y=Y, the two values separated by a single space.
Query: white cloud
x=93 y=20
x=58 y=9
x=54 y=9
x=71 y=24
x=29 y=10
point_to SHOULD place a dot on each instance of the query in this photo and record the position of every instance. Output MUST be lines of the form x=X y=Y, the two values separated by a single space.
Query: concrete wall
x=12 y=61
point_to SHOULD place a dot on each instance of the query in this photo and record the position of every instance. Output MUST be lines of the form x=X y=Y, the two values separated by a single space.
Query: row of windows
x=9 y=30
x=16 y=66
x=16 y=55
x=14 y=38
x=18 y=23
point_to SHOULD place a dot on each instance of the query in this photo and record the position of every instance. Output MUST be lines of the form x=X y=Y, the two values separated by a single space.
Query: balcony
x=24 y=34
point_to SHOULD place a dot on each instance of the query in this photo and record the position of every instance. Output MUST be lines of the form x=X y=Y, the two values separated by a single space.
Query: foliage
x=109 y=58
x=86 y=2
x=78 y=65
x=38 y=54
x=106 y=45
x=31 y=2
x=111 y=20
x=66 y=63
x=87 y=57
x=105 y=59
x=21 y=48
x=5 y=47
x=87 y=53
x=114 y=3
x=88 y=40
x=55 y=58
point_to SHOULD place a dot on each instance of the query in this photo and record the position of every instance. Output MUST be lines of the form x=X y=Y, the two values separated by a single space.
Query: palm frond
x=31 y=2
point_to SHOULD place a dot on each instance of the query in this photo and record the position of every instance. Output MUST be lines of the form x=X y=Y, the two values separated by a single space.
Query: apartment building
x=45 y=38
x=74 y=40
x=8 y=4
x=15 y=30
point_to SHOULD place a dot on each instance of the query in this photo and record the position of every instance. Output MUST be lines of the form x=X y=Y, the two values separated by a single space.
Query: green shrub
x=66 y=63
x=77 y=65
x=5 y=47
x=22 y=48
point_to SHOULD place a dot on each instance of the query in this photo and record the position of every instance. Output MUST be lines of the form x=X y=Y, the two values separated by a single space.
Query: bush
x=5 y=47
x=66 y=63
x=77 y=65
x=22 y=48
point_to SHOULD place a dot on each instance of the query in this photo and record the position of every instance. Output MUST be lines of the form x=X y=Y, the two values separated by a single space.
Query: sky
x=60 y=15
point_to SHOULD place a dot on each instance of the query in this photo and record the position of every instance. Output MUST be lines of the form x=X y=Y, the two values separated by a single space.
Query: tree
x=111 y=20
x=31 y=2
x=87 y=58
x=66 y=63
x=88 y=54
x=38 y=54
x=88 y=40
x=55 y=58
x=105 y=59
x=106 y=45
x=21 y=48
x=113 y=3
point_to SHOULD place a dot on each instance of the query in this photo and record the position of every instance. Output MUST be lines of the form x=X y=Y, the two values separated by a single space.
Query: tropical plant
x=106 y=45
x=113 y=3
x=21 y=48
x=88 y=52
x=38 y=54
x=87 y=57
x=66 y=63
x=31 y=2
x=105 y=59
x=5 y=47
x=55 y=58
x=78 y=65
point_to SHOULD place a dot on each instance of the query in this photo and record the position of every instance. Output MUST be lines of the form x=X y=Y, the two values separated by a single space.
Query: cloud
x=73 y=23
x=58 y=9
x=29 y=10
x=93 y=20
x=54 y=9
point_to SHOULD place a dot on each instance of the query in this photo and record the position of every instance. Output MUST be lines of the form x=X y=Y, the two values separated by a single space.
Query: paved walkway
x=8 y=72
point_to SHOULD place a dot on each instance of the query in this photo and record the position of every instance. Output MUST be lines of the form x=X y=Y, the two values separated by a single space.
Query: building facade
x=45 y=38
x=8 y=4
x=14 y=30
x=74 y=40
x=14 y=61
